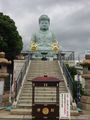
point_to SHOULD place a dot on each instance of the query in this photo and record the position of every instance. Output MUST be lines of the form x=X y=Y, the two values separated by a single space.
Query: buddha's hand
x=34 y=46
x=55 y=47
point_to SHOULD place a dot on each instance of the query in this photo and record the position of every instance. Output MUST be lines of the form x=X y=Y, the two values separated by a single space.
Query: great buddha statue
x=44 y=40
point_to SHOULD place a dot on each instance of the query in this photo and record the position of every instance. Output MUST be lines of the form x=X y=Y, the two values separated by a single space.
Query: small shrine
x=3 y=73
x=85 y=99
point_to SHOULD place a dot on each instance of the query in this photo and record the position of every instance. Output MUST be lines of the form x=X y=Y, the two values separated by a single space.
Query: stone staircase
x=38 y=68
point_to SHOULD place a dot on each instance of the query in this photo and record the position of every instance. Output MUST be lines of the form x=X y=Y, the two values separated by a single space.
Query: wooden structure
x=45 y=107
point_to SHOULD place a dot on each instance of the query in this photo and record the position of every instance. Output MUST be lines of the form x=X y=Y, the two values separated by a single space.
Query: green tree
x=72 y=70
x=10 y=40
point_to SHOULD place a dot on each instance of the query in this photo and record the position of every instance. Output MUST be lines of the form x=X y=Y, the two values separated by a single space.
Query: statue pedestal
x=48 y=54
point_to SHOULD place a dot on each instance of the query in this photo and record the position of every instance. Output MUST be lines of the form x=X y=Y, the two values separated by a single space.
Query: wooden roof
x=45 y=79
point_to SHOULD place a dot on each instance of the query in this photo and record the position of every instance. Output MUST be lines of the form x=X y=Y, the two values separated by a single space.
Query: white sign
x=64 y=107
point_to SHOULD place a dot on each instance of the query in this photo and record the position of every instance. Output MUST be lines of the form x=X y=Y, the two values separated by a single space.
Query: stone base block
x=85 y=102
x=87 y=92
x=87 y=86
x=85 y=106
x=85 y=99
x=87 y=81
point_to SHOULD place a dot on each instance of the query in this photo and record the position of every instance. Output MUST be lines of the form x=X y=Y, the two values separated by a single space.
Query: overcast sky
x=70 y=20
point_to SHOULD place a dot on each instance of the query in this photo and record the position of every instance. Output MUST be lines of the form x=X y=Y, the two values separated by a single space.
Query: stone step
x=85 y=106
x=87 y=91
x=44 y=72
x=25 y=97
x=24 y=105
x=43 y=63
x=21 y=111
x=39 y=68
x=25 y=101
x=30 y=97
x=26 y=94
x=36 y=71
x=26 y=91
x=28 y=82
x=33 y=67
x=74 y=113
x=27 y=87
x=38 y=99
x=29 y=79
x=86 y=112
x=85 y=99
x=38 y=93
x=39 y=89
x=30 y=89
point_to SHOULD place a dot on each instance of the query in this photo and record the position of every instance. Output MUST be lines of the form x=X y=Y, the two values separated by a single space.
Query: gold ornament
x=45 y=111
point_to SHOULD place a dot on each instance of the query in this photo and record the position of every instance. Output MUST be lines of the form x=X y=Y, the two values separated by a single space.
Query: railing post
x=15 y=90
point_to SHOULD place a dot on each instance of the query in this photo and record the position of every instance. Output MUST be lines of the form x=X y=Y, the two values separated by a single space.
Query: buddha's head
x=44 y=22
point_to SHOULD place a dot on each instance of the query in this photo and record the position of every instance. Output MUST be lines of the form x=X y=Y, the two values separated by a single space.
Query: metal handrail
x=70 y=81
x=21 y=75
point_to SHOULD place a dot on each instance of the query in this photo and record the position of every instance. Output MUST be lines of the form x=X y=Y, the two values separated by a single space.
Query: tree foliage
x=10 y=40
x=72 y=70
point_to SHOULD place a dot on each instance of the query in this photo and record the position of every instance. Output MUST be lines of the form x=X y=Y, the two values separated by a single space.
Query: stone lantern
x=3 y=72
x=85 y=99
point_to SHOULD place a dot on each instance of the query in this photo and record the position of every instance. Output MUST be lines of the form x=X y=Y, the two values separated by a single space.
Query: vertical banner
x=64 y=106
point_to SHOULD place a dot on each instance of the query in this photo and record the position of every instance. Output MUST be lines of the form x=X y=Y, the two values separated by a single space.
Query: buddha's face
x=44 y=25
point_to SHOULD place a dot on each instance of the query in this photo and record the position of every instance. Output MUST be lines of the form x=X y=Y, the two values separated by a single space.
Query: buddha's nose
x=44 y=25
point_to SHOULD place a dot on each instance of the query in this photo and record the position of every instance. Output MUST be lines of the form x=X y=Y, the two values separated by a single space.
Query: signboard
x=64 y=106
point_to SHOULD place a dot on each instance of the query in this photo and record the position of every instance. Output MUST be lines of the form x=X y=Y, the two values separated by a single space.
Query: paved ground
x=4 y=115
